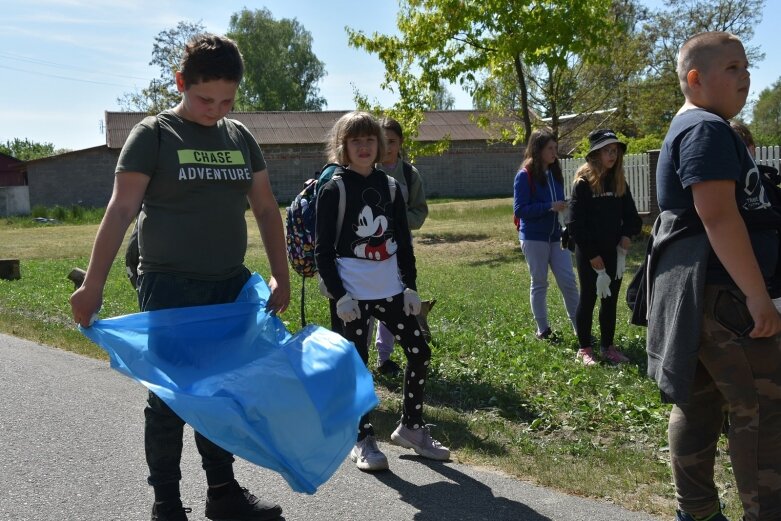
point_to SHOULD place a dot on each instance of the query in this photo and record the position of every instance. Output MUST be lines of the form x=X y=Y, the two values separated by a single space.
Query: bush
x=77 y=212
x=39 y=211
x=634 y=145
x=60 y=213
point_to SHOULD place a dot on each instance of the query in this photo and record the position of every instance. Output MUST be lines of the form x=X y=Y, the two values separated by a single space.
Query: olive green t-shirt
x=192 y=220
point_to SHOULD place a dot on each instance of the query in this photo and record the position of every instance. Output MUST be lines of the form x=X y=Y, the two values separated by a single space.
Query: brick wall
x=14 y=200
x=468 y=169
x=84 y=177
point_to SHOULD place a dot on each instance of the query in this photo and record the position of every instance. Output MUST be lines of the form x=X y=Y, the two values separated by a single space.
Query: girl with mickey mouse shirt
x=368 y=267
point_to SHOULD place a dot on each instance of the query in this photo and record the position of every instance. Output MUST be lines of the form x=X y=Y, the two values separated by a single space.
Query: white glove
x=620 y=262
x=563 y=216
x=603 y=284
x=411 y=302
x=322 y=288
x=777 y=303
x=347 y=308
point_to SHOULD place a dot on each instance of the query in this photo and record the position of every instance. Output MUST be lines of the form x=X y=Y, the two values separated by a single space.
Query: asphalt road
x=71 y=449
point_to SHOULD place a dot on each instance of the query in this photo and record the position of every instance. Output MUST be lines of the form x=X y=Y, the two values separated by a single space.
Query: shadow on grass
x=506 y=257
x=457 y=496
x=468 y=397
x=447 y=237
x=634 y=348
x=451 y=432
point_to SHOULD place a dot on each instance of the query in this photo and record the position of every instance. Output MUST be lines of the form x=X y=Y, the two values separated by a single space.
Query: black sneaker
x=238 y=504
x=170 y=511
x=544 y=335
x=683 y=516
x=389 y=367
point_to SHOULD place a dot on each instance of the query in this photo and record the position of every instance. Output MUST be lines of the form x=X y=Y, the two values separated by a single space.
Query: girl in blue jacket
x=538 y=202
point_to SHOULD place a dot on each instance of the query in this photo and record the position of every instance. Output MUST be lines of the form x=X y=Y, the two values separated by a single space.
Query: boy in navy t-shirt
x=735 y=360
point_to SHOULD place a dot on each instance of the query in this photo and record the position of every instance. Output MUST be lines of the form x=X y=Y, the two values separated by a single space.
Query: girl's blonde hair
x=593 y=173
x=353 y=124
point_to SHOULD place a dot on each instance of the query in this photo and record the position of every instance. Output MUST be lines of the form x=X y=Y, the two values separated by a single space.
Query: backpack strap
x=407 y=169
x=342 y=206
x=392 y=188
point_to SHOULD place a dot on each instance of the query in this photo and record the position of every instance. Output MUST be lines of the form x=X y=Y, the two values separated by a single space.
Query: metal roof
x=306 y=128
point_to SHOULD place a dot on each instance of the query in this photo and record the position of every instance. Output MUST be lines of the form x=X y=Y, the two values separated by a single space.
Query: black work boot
x=233 y=503
x=170 y=511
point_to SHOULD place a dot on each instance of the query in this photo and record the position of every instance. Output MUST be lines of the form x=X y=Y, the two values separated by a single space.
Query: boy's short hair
x=744 y=133
x=353 y=124
x=209 y=57
x=698 y=52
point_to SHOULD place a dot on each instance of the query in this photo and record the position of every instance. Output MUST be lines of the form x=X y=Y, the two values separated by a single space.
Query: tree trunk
x=527 y=123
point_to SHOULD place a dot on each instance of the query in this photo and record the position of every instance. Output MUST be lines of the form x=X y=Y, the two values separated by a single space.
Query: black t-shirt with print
x=700 y=146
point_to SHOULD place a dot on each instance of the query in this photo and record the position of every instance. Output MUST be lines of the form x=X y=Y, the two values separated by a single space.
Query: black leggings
x=584 y=317
x=406 y=330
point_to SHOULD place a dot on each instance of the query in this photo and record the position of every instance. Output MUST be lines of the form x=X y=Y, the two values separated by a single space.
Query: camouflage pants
x=742 y=375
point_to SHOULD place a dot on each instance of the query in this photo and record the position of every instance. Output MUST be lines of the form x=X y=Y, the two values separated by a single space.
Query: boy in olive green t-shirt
x=194 y=170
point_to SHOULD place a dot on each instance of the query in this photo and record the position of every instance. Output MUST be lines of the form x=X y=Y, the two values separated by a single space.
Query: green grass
x=74 y=214
x=498 y=396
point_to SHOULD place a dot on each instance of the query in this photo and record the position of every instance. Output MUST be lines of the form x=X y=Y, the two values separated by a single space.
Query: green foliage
x=409 y=117
x=26 y=150
x=167 y=52
x=281 y=71
x=766 y=119
x=66 y=215
x=464 y=42
x=77 y=213
x=643 y=144
x=443 y=99
x=633 y=145
x=60 y=213
x=656 y=95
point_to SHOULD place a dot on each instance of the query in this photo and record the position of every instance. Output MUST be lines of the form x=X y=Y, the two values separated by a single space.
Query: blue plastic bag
x=290 y=403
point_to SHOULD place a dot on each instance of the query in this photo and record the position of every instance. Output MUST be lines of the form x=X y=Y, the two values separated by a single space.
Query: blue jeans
x=164 y=429
x=539 y=256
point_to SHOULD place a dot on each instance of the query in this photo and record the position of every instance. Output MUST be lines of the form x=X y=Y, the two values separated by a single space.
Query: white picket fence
x=637 y=171
x=770 y=156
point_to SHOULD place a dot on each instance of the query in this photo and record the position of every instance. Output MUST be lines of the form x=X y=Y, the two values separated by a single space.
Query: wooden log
x=9 y=269
x=77 y=277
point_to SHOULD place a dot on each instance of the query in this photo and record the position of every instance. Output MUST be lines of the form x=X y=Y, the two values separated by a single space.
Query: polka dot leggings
x=406 y=331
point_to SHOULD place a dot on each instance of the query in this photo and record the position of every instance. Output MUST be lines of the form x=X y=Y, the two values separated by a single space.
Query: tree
x=766 y=116
x=281 y=71
x=471 y=43
x=26 y=150
x=443 y=99
x=167 y=51
x=657 y=96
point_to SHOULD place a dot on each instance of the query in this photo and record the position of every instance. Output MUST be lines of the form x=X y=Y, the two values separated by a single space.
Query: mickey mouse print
x=373 y=231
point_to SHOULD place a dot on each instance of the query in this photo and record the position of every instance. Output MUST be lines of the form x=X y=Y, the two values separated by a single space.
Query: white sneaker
x=420 y=441
x=367 y=456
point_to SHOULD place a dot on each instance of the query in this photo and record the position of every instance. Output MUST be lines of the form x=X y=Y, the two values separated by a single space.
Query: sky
x=63 y=63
